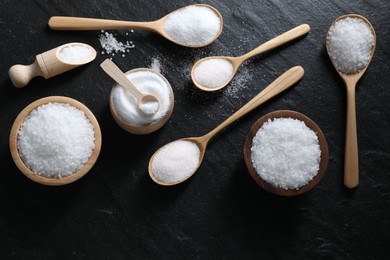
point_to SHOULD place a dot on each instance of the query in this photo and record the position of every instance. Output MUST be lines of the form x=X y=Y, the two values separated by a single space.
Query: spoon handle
x=65 y=23
x=111 y=69
x=283 y=82
x=279 y=40
x=351 y=157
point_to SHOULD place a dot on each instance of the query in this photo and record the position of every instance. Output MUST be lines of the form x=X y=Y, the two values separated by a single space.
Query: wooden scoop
x=47 y=65
x=147 y=104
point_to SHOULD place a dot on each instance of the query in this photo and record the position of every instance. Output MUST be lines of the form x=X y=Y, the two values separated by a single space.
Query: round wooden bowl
x=143 y=129
x=13 y=141
x=309 y=123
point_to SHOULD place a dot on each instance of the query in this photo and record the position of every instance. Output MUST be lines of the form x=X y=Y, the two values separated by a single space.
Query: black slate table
x=117 y=212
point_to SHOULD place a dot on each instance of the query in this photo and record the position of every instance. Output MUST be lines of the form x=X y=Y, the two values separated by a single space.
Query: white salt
x=175 y=161
x=213 y=73
x=156 y=64
x=148 y=82
x=149 y=108
x=350 y=43
x=286 y=153
x=193 y=26
x=111 y=45
x=56 y=140
x=76 y=54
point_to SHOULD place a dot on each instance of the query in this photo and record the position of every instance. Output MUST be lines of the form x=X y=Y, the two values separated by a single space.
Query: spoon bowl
x=65 y=23
x=351 y=160
x=236 y=62
x=283 y=82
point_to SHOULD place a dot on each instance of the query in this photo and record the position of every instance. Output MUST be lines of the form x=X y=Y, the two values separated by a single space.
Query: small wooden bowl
x=309 y=123
x=143 y=129
x=13 y=141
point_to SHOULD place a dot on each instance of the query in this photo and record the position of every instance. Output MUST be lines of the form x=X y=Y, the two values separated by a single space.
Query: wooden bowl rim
x=46 y=180
x=309 y=123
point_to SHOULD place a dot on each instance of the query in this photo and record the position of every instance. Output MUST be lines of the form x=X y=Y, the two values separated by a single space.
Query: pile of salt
x=76 y=54
x=350 y=43
x=175 y=161
x=286 y=153
x=56 y=140
x=213 y=73
x=193 y=26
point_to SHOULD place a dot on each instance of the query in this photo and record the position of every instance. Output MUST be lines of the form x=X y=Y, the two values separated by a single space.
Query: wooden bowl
x=143 y=129
x=13 y=141
x=309 y=123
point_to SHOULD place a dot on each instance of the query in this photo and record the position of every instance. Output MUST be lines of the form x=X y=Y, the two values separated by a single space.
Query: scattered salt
x=148 y=82
x=76 y=54
x=350 y=43
x=286 y=153
x=111 y=45
x=213 y=73
x=156 y=64
x=56 y=140
x=175 y=161
x=193 y=26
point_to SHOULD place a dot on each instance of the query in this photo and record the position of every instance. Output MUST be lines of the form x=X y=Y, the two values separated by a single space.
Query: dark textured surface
x=117 y=212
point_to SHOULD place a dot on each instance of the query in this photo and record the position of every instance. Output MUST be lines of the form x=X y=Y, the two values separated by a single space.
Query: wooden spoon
x=65 y=23
x=351 y=157
x=283 y=82
x=237 y=61
x=147 y=104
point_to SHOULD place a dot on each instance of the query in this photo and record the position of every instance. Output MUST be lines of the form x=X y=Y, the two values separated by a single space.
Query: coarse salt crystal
x=193 y=26
x=213 y=73
x=76 y=54
x=111 y=45
x=175 y=161
x=56 y=140
x=350 y=43
x=286 y=153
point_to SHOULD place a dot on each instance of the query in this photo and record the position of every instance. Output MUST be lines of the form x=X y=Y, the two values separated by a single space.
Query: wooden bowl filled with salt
x=55 y=140
x=286 y=153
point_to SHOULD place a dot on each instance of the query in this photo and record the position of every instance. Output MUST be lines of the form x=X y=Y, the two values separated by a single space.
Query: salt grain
x=125 y=104
x=193 y=26
x=286 y=153
x=175 y=161
x=56 y=140
x=213 y=73
x=350 y=43
x=76 y=54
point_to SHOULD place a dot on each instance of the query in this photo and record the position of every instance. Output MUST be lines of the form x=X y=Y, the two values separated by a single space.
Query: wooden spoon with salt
x=283 y=82
x=65 y=23
x=237 y=61
x=351 y=157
